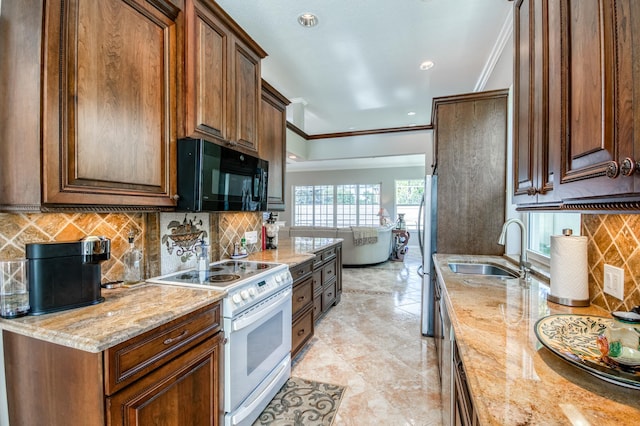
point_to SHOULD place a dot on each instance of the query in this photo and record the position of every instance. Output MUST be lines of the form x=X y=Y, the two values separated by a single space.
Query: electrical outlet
x=614 y=281
x=251 y=237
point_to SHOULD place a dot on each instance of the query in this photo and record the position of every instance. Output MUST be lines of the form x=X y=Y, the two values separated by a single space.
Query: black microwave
x=216 y=178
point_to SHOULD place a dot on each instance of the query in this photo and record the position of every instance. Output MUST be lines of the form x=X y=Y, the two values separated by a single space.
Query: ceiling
x=359 y=68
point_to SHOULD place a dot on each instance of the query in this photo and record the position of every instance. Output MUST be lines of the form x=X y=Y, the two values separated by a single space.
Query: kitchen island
x=295 y=250
x=512 y=378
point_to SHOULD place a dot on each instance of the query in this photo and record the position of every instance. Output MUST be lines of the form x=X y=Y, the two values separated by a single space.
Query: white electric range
x=257 y=326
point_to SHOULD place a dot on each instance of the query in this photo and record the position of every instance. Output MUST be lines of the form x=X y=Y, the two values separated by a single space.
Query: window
x=408 y=198
x=313 y=205
x=543 y=225
x=352 y=205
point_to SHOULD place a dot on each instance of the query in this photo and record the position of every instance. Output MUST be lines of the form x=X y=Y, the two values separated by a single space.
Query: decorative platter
x=573 y=338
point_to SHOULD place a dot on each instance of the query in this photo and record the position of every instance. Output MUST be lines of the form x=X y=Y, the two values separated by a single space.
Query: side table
x=400 y=238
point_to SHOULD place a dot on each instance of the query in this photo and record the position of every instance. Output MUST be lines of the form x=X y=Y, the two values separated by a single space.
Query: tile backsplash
x=18 y=229
x=613 y=239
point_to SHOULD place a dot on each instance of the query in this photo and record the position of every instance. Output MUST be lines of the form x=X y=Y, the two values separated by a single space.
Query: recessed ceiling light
x=411 y=113
x=426 y=65
x=308 y=20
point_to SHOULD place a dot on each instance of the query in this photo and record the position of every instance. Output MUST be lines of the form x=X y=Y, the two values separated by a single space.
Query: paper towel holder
x=567 y=232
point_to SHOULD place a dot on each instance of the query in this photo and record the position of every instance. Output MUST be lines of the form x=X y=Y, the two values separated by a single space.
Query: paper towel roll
x=569 y=271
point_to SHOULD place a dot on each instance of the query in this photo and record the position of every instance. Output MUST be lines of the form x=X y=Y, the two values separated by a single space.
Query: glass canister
x=621 y=340
x=14 y=288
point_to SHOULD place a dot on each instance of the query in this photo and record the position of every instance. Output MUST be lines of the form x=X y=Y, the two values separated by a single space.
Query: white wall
x=401 y=143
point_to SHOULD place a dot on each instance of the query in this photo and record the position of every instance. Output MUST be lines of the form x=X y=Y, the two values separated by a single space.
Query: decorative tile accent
x=613 y=239
x=16 y=230
x=180 y=234
x=232 y=227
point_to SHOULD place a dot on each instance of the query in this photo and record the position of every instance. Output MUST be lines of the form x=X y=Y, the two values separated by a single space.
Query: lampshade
x=383 y=213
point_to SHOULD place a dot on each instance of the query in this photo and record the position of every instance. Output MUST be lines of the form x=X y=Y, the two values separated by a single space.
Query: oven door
x=258 y=340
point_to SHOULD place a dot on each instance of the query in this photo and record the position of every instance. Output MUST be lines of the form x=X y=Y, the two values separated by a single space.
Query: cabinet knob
x=613 y=170
x=532 y=190
x=629 y=167
x=175 y=197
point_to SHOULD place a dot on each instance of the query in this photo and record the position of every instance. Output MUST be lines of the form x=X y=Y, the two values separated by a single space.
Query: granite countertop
x=128 y=312
x=125 y=313
x=294 y=250
x=513 y=378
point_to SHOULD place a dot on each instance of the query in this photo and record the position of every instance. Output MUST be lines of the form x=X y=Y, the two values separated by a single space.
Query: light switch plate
x=614 y=281
x=251 y=237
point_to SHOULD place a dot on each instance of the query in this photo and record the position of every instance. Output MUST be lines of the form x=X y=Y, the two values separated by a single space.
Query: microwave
x=216 y=178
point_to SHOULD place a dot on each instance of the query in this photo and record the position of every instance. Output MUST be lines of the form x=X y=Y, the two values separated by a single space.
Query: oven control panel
x=249 y=294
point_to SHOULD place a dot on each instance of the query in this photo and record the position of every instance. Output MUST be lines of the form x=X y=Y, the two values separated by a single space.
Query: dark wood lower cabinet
x=169 y=375
x=463 y=412
x=317 y=287
x=180 y=392
x=301 y=306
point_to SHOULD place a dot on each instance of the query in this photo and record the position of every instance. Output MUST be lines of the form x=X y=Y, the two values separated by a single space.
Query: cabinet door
x=244 y=110
x=184 y=391
x=206 y=79
x=533 y=171
x=273 y=132
x=109 y=102
x=596 y=99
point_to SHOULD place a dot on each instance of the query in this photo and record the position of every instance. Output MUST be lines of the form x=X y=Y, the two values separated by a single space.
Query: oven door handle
x=243 y=322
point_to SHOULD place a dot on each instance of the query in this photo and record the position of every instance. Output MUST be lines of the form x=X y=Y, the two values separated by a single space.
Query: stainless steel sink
x=481 y=269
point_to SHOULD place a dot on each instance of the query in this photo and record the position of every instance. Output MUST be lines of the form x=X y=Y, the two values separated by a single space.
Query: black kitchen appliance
x=215 y=178
x=65 y=275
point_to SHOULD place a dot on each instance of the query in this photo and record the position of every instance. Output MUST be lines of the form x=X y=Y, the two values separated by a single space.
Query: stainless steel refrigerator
x=427 y=233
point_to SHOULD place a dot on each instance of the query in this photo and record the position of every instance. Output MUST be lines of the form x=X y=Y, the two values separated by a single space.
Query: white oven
x=257 y=327
x=257 y=340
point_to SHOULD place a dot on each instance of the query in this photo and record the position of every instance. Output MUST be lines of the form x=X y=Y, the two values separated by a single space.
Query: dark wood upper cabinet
x=533 y=162
x=273 y=144
x=107 y=98
x=222 y=79
x=575 y=66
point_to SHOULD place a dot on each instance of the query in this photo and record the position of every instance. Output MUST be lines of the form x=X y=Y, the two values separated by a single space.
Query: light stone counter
x=513 y=378
x=295 y=250
x=125 y=313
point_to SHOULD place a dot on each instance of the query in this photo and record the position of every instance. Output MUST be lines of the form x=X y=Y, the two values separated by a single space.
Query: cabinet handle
x=301 y=271
x=300 y=299
x=175 y=197
x=175 y=339
x=629 y=167
x=300 y=332
x=532 y=190
x=613 y=170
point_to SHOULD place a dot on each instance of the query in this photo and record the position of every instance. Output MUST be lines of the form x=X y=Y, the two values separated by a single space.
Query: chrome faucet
x=525 y=266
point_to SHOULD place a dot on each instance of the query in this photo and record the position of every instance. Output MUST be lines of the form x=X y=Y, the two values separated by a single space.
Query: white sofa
x=352 y=255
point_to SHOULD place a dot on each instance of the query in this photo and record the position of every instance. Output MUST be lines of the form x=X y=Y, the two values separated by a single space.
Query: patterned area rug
x=302 y=402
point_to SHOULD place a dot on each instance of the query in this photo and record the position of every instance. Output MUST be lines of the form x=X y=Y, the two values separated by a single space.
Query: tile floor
x=371 y=343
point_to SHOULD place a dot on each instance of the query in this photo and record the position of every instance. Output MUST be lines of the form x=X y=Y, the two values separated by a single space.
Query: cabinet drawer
x=328 y=254
x=134 y=358
x=301 y=331
x=302 y=296
x=328 y=272
x=328 y=296
x=299 y=272
x=317 y=281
